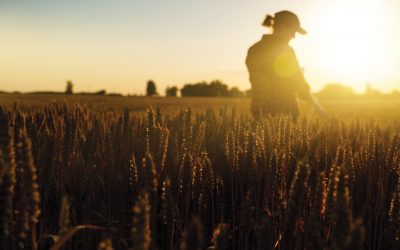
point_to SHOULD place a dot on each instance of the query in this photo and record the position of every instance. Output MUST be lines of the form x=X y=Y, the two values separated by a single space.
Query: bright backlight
x=353 y=47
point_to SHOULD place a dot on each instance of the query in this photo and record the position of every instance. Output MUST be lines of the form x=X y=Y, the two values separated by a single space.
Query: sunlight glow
x=354 y=49
x=120 y=45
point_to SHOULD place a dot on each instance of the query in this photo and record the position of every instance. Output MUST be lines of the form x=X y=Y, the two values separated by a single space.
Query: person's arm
x=303 y=89
x=318 y=108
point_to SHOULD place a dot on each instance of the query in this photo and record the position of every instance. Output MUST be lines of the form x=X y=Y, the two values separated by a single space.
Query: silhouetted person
x=275 y=75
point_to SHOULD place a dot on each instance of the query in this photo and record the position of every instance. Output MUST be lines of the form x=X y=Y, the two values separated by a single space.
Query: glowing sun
x=351 y=42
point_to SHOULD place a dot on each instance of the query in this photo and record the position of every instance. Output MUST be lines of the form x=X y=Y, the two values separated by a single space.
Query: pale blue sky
x=119 y=45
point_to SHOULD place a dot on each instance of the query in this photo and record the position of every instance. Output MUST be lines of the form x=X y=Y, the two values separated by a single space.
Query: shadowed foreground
x=195 y=181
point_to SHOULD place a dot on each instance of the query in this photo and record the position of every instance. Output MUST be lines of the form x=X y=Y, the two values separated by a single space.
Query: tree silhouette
x=218 y=88
x=151 y=88
x=171 y=91
x=235 y=92
x=69 y=90
x=372 y=93
x=335 y=91
x=215 y=88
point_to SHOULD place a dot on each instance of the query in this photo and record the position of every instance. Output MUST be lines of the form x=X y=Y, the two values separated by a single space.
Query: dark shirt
x=275 y=77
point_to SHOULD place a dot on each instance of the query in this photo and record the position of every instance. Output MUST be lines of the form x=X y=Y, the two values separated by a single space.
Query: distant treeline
x=332 y=91
x=336 y=91
x=100 y=92
x=216 y=88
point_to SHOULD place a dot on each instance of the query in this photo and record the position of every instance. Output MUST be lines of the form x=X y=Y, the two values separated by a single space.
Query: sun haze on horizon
x=119 y=45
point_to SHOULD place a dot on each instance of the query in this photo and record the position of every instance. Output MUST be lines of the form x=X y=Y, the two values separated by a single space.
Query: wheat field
x=120 y=173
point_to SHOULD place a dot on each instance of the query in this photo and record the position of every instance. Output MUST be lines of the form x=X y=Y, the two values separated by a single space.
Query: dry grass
x=379 y=109
x=102 y=176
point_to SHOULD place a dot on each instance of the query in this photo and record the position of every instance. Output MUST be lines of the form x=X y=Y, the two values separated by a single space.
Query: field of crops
x=382 y=110
x=107 y=173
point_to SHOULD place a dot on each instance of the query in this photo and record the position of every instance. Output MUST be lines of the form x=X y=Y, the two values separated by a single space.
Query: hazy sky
x=119 y=45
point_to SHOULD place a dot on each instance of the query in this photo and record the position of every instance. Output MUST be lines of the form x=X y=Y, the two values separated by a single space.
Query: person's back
x=274 y=76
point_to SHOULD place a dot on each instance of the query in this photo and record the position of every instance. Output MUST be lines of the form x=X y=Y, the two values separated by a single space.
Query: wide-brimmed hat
x=287 y=18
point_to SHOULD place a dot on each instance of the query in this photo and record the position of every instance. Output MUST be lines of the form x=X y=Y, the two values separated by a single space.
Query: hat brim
x=301 y=31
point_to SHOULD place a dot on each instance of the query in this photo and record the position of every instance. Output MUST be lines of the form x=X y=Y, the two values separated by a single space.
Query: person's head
x=285 y=24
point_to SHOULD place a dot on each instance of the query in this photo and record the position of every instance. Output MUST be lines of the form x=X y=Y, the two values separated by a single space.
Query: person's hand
x=323 y=114
x=318 y=108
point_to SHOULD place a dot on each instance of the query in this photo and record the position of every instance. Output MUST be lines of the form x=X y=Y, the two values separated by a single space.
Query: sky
x=119 y=45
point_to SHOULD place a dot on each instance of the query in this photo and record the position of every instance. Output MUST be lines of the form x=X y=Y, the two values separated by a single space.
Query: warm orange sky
x=119 y=45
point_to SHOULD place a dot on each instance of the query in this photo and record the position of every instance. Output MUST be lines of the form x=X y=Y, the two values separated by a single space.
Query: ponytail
x=269 y=21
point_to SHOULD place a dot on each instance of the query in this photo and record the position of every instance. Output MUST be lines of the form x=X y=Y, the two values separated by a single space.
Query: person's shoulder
x=286 y=48
x=261 y=43
x=290 y=48
x=252 y=49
